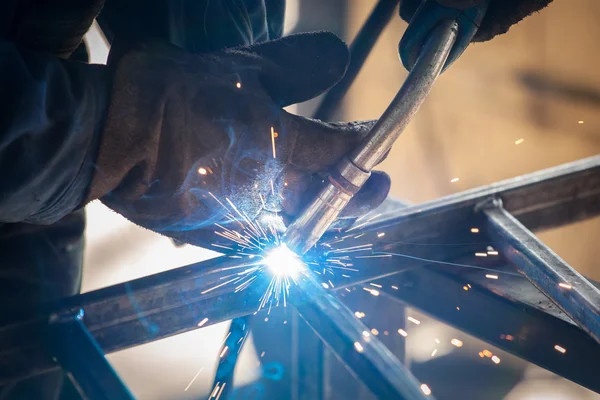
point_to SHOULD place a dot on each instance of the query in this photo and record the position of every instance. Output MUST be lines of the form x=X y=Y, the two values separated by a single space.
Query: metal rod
x=359 y=51
x=351 y=341
x=497 y=317
x=83 y=360
x=353 y=172
x=239 y=329
x=567 y=288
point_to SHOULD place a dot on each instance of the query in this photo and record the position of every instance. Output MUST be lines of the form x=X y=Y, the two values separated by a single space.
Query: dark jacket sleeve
x=50 y=120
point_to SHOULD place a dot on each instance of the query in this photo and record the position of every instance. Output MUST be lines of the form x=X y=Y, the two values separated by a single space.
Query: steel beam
x=541 y=200
x=175 y=301
x=502 y=320
x=351 y=341
x=83 y=360
x=568 y=289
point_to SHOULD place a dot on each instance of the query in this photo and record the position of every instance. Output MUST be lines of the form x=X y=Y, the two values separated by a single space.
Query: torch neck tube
x=411 y=95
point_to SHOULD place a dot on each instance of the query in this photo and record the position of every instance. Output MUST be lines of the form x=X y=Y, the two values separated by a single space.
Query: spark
x=580 y=122
x=380 y=235
x=193 y=379
x=565 y=286
x=214 y=392
x=221 y=391
x=259 y=246
x=366 y=334
x=402 y=332
x=456 y=342
x=238 y=85
x=395 y=287
x=481 y=254
x=455 y=180
x=425 y=389
x=487 y=353
x=414 y=320
x=437 y=340
x=465 y=288
x=273 y=136
x=201 y=323
x=474 y=230
x=359 y=314
x=372 y=291
x=374 y=331
x=457 y=308
x=492 y=252
x=519 y=141
x=434 y=352
x=358 y=347
x=496 y=359
x=224 y=351
x=560 y=349
x=202 y=171
x=491 y=276
x=376 y=285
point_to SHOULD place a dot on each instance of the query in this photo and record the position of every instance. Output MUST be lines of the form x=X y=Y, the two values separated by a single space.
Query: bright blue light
x=283 y=262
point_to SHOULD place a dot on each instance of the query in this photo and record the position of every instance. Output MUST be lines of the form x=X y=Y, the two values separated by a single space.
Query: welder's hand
x=500 y=15
x=188 y=136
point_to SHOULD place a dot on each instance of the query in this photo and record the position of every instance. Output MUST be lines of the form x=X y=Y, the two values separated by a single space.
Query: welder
x=187 y=111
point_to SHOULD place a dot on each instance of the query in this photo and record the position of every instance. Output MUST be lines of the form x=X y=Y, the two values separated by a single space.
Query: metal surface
x=303 y=233
x=83 y=360
x=574 y=294
x=359 y=50
x=494 y=312
x=228 y=355
x=362 y=353
x=175 y=301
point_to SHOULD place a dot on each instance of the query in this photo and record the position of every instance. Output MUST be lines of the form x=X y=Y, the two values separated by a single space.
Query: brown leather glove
x=184 y=133
x=500 y=15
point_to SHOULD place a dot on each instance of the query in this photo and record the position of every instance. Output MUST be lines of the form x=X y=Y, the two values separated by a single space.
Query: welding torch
x=435 y=37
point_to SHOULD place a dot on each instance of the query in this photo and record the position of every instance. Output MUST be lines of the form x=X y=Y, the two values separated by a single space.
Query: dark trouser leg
x=39 y=265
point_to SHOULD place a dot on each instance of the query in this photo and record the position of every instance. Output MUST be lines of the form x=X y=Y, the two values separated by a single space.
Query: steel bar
x=133 y=313
x=541 y=200
x=574 y=294
x=228 y=356
x=359 y=51
x=502 y=320
x=175 y=301
x=350 y=340
x=80 y=356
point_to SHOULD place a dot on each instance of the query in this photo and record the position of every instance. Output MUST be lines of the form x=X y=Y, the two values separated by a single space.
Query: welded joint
x=490 y=203
x=66 y=316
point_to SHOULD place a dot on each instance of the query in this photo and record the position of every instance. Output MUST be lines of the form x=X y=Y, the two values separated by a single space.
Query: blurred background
x=525 y=101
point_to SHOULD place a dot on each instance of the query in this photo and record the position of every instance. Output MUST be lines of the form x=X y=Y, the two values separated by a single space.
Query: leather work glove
x=500 y=15
x=187 y=136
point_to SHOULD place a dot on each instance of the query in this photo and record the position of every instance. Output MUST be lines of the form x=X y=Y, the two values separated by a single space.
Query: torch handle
x=352 y=172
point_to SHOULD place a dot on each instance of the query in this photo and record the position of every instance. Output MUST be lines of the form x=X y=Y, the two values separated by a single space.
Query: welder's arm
x=194 y=140
x=49 y=129
x=500 y=15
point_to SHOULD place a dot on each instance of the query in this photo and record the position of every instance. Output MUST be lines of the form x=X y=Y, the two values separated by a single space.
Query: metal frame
x=173 y=302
